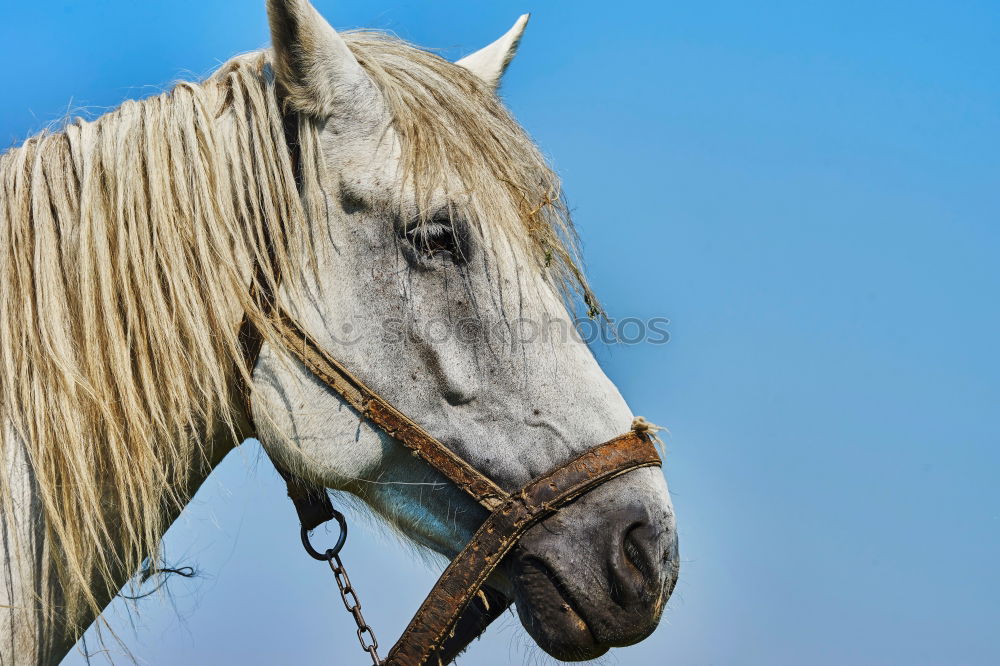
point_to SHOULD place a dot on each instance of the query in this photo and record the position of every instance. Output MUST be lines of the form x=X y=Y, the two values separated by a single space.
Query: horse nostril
x=632 y=565
x=637 y=548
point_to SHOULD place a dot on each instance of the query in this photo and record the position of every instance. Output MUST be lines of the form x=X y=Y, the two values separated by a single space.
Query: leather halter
x=460 y=606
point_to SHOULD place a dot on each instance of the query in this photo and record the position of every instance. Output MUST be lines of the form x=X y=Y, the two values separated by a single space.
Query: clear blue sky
x=810 y=191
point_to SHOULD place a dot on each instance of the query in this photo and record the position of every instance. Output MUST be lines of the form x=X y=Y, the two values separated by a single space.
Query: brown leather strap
x=474 y=620
x=389 y=419
x=312 y=503
x=467 y=573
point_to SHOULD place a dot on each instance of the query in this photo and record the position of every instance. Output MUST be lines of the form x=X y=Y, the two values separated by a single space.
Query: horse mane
x=127 y=248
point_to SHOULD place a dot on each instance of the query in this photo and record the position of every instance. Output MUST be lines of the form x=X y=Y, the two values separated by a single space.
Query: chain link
x=353 y=606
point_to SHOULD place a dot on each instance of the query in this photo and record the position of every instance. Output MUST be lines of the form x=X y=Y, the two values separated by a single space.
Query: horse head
x=441 y=261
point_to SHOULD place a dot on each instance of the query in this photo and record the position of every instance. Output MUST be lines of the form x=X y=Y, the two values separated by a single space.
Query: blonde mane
x=127 y=248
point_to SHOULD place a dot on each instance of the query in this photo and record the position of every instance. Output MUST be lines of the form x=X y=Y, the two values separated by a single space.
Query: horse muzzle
x=598 y=574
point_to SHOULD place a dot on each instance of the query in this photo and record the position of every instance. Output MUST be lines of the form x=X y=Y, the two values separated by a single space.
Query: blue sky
x=808 y=190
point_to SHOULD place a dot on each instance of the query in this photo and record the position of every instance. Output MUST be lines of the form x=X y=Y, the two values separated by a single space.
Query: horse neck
x=27 y=636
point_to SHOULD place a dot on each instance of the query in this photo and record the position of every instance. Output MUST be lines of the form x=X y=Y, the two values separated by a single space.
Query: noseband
x=460 y=606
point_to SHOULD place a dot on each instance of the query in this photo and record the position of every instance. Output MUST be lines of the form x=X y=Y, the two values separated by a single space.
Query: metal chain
x=353 y=606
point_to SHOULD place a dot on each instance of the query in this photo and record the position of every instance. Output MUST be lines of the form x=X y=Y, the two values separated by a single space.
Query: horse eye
x=433 y=238
x=436 y=238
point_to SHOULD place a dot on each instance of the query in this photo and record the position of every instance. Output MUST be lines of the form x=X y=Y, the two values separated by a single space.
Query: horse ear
x=318 y=73
x=490 y=62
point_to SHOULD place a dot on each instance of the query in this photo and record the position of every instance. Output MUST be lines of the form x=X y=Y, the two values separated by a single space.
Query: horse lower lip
x=542 y=592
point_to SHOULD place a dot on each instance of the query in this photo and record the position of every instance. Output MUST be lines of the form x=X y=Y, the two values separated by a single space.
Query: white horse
x=415 y=229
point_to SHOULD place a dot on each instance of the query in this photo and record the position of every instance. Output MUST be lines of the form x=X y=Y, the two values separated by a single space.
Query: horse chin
x=550 y=615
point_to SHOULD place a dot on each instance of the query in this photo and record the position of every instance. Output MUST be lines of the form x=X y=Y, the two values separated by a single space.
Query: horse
x=388 y=201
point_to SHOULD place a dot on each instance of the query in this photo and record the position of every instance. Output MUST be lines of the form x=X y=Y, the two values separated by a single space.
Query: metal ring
x=330 y=552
